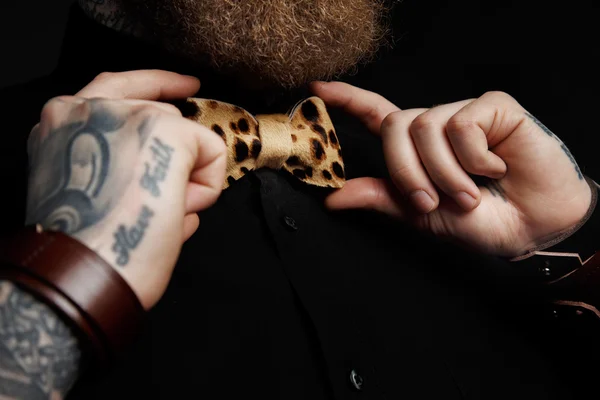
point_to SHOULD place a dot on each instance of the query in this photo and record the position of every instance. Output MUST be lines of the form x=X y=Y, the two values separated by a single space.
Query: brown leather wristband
x=77 y=283
x=580 y=288
x=566 y=270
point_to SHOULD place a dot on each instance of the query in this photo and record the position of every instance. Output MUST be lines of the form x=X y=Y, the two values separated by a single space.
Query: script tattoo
x=161 y=155
x=39 y=355
x=127 y=239
x=73 y=183
x=560 y=142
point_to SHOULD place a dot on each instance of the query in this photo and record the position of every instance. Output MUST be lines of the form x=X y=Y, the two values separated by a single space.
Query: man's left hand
x=532 y=188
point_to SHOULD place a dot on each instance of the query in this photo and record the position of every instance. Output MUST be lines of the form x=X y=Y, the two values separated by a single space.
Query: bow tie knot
x=276 y=142
x=304 y=142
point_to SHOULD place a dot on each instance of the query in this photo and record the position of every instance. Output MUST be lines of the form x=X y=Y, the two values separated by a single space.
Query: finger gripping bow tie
x=303 y=142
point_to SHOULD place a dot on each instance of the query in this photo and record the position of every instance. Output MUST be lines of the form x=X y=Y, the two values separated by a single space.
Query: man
x=274 y=295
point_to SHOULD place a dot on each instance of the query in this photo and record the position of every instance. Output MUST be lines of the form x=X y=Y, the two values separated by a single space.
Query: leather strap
x=79 y=284
x=567 y=269
x=579 y=289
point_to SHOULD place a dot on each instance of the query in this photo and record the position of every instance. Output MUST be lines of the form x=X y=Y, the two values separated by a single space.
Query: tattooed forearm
x=560 y=142
x=110 y=14
x=127 y=239
x=161 y=157
x=39 y=355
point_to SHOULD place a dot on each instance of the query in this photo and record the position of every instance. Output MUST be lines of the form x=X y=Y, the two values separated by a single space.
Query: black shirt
x=275 y=297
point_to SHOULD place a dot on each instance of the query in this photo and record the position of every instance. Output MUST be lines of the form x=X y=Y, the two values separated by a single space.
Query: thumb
x=368 y=193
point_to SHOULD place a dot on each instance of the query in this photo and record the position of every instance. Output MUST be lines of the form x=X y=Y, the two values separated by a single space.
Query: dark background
x=30 y=37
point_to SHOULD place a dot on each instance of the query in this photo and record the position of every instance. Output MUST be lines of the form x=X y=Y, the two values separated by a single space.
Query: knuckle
x=48 y=107
x=456 y=125
x=58 y=105
x=48 y=111
x=105 y=76
x=53 y=102
x=392 y=119
x=497 y=96
x=422 y=123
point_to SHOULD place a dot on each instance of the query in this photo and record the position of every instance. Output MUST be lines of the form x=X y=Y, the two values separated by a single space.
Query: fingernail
x=466 y=201
x=422 y=201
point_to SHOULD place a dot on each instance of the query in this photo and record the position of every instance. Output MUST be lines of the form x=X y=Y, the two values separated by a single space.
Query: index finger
x=142 y=85
x=369 y=107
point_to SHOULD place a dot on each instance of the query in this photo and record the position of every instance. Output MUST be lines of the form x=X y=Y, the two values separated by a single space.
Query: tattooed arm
x=111 y=174
x=39 y=355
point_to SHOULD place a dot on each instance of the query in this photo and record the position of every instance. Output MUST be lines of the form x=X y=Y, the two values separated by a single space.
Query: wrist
x=116 y=239
x=570 y=219
x=567 y=268
x=577 y=237
x=78 y=284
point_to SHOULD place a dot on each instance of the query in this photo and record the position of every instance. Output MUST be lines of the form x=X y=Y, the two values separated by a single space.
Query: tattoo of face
x=560 y=142
x=161 y=157
x=127 y=239
x=39 y=355
x=79 y=169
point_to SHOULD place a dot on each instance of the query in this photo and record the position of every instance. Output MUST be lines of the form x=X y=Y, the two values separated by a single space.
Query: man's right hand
x=125 y=173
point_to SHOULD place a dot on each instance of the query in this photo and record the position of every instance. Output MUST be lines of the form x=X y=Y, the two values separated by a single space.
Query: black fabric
x=274 y=297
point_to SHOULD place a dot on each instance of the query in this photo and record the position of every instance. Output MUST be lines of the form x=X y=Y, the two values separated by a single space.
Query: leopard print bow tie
x=303 y=142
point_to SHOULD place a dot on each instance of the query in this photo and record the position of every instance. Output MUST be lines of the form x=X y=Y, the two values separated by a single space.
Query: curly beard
x=269 y=43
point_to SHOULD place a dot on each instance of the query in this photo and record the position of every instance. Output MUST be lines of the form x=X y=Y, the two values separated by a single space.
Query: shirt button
x=290 y=223
x=356 y=380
